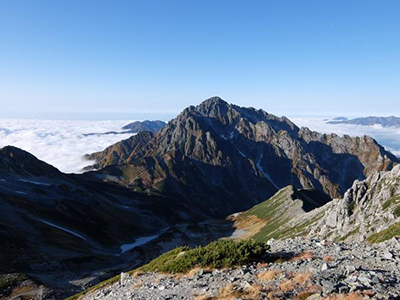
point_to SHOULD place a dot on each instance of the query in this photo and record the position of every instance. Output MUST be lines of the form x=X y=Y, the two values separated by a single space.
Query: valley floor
x=301 y=269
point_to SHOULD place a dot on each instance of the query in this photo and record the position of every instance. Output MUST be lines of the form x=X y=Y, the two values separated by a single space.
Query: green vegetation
x=350 y=207
x=386 y=234
x=274 y=211
x=218 y=254
x=267 y=209
x=397 y=211
x=95 y=287
x=343 y=238
x=7 y=280
x=270 y=211
x=392 y=200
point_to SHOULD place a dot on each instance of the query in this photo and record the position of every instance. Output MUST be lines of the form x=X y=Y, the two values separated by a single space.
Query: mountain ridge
x=243 y=154
x=391 y=121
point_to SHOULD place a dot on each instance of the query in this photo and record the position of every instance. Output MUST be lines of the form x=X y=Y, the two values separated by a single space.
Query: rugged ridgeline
x=120 y=151
x=234 y=157
x=369 y=211
x=153 y=126
x=369 y=121
x=135 y=127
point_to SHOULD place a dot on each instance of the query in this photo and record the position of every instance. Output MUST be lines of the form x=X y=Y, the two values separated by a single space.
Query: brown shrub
x=351 y=296
x=203 y=297
x=136 y=285
x=328 y=258
x=301 y=278
x=269 y=275
x=304 y=256
x=286 y=286
x=137 y=274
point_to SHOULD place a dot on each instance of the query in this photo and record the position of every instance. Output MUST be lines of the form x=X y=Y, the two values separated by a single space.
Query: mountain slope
x=68 y=230
x=147 y=125
x=234 y=157
x=135 y=127
x=369 y=211
x=121 y=151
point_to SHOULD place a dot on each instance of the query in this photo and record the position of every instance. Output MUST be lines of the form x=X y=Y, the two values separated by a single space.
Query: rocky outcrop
x=367 y=209
x=229 y=158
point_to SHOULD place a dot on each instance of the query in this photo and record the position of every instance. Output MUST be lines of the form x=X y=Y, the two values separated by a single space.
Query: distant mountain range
x=135 y=127
x=368 y=121
x=154 y=191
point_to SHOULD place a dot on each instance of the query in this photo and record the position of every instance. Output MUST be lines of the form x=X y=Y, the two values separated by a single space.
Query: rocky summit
x=234 y=157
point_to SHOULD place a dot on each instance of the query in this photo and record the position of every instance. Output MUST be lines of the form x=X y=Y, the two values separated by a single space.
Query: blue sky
x=117 y=59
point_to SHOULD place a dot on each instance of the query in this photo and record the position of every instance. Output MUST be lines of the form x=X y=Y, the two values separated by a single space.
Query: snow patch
x=266 y=175
x=19 y=192
x=34 y=182
x=242 y=154
x=64 y=229
x=138 y=242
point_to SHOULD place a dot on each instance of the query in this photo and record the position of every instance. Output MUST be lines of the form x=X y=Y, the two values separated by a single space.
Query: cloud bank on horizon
x=389 y=137
x=60 y=143
x=63 y=143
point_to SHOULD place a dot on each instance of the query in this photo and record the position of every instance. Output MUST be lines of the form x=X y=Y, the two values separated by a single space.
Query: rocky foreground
x=299 y=269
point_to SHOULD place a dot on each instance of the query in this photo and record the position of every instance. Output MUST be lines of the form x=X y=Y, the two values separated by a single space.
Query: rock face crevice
x=229 y=158
x=368 y=207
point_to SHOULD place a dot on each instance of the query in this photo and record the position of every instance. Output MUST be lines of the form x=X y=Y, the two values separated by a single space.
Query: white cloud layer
x=60 y=143
x=389 y=137
x=63 y=144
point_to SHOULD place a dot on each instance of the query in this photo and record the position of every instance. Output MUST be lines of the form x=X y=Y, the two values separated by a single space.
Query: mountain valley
x=215 y=171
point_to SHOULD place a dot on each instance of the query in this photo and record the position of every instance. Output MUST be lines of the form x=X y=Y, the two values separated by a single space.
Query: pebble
x=351 y=268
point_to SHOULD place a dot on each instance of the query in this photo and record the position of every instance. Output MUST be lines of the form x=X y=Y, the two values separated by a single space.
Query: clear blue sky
x=128 y=57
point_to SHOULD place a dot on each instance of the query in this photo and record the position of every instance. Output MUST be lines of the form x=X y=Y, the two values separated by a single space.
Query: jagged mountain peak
x=242 y=156
x=228 y=115
x=214 y=101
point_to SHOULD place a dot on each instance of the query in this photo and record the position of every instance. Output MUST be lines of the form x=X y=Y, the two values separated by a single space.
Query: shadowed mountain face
x=226 y=158
x=69 y=224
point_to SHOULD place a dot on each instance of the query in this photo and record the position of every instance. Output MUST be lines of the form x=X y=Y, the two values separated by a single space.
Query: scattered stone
x=387 y=254
x=325 y=267
x=352 y=268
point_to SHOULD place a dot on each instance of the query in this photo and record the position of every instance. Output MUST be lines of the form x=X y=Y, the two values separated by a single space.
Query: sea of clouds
x=60 y=143
x=63 y=143
x=389 y=137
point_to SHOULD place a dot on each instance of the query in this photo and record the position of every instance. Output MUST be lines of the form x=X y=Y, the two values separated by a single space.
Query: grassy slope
x=218 y=254
x=278 y=211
